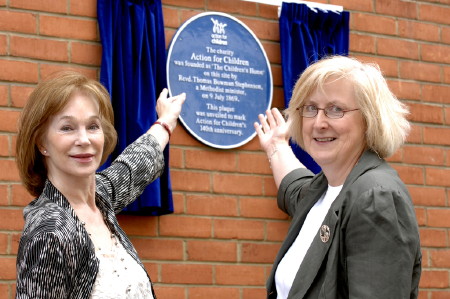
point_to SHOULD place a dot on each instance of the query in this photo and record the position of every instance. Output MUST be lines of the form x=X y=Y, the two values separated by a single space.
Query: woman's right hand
x=274 y=139
x=272 y=131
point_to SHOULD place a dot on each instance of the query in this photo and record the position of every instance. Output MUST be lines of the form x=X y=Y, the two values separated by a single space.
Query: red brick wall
x=226 y=228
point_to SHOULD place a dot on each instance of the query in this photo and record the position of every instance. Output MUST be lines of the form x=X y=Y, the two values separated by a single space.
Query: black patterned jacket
x=56 y=257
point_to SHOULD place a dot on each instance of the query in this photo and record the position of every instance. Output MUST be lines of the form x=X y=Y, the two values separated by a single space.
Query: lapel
x=317 y=186
x=318 y=250
x=314 y=257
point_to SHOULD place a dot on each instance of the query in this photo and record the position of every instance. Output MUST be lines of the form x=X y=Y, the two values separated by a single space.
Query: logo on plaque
x=221 y=66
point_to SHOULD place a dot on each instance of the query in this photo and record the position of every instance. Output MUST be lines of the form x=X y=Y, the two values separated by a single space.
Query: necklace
x=95 y=240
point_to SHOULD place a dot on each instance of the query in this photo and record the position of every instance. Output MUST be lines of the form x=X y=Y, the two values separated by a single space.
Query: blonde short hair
x=47 y=99
x=384 y=115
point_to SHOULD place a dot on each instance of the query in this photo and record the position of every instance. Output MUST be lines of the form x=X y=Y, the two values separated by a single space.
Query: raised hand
x=169 y=109
x=272 y=130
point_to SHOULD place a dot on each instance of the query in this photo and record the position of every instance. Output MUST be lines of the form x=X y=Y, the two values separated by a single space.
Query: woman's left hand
x=169 y=109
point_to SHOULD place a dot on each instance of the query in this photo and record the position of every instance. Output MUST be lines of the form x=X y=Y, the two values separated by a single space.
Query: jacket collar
x=50 y=194
x=369 y=160
x=54 y=195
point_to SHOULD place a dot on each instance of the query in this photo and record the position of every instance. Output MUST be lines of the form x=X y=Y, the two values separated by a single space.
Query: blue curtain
x=307 y=35
x=133 y=69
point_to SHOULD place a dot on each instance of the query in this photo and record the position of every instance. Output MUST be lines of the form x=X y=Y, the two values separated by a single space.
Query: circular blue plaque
x=221 y=66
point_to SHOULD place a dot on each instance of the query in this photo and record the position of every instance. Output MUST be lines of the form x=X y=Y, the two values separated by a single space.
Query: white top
x=289 y=265
x=120 y=276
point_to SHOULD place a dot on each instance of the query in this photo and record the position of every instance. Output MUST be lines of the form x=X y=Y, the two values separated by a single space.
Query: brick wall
x=226 y=228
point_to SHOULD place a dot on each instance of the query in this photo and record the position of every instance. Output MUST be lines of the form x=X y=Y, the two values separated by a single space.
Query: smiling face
x=74 y=139
x=335 y=144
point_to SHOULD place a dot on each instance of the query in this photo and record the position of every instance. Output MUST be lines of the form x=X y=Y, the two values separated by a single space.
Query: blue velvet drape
x=133 y=69
x=306 y=35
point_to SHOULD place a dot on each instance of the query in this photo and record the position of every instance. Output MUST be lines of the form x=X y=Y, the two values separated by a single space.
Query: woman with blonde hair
x=72 y=245
x=353 y=233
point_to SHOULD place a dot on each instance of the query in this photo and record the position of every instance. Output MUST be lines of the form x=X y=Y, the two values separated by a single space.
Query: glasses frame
x=324 y=111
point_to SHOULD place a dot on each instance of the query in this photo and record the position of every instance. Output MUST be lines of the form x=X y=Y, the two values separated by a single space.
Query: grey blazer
x=368 y=245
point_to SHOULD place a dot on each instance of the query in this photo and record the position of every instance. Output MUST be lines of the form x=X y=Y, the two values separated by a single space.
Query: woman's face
x=73 y=143
x=334 y=143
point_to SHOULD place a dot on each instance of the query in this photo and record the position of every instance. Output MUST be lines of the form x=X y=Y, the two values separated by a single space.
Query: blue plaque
x=221 y=66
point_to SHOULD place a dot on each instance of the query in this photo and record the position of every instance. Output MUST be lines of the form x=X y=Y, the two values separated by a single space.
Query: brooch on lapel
x=324 y=233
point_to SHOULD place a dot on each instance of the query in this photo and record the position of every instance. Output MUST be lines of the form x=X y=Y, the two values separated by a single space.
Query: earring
x=45 y=152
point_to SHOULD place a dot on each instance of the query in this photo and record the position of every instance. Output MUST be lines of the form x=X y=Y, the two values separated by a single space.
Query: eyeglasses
x=334 y=112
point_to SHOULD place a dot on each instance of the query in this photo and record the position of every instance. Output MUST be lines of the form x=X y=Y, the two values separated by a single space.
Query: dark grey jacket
x=56 y=257
x=372 y=249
